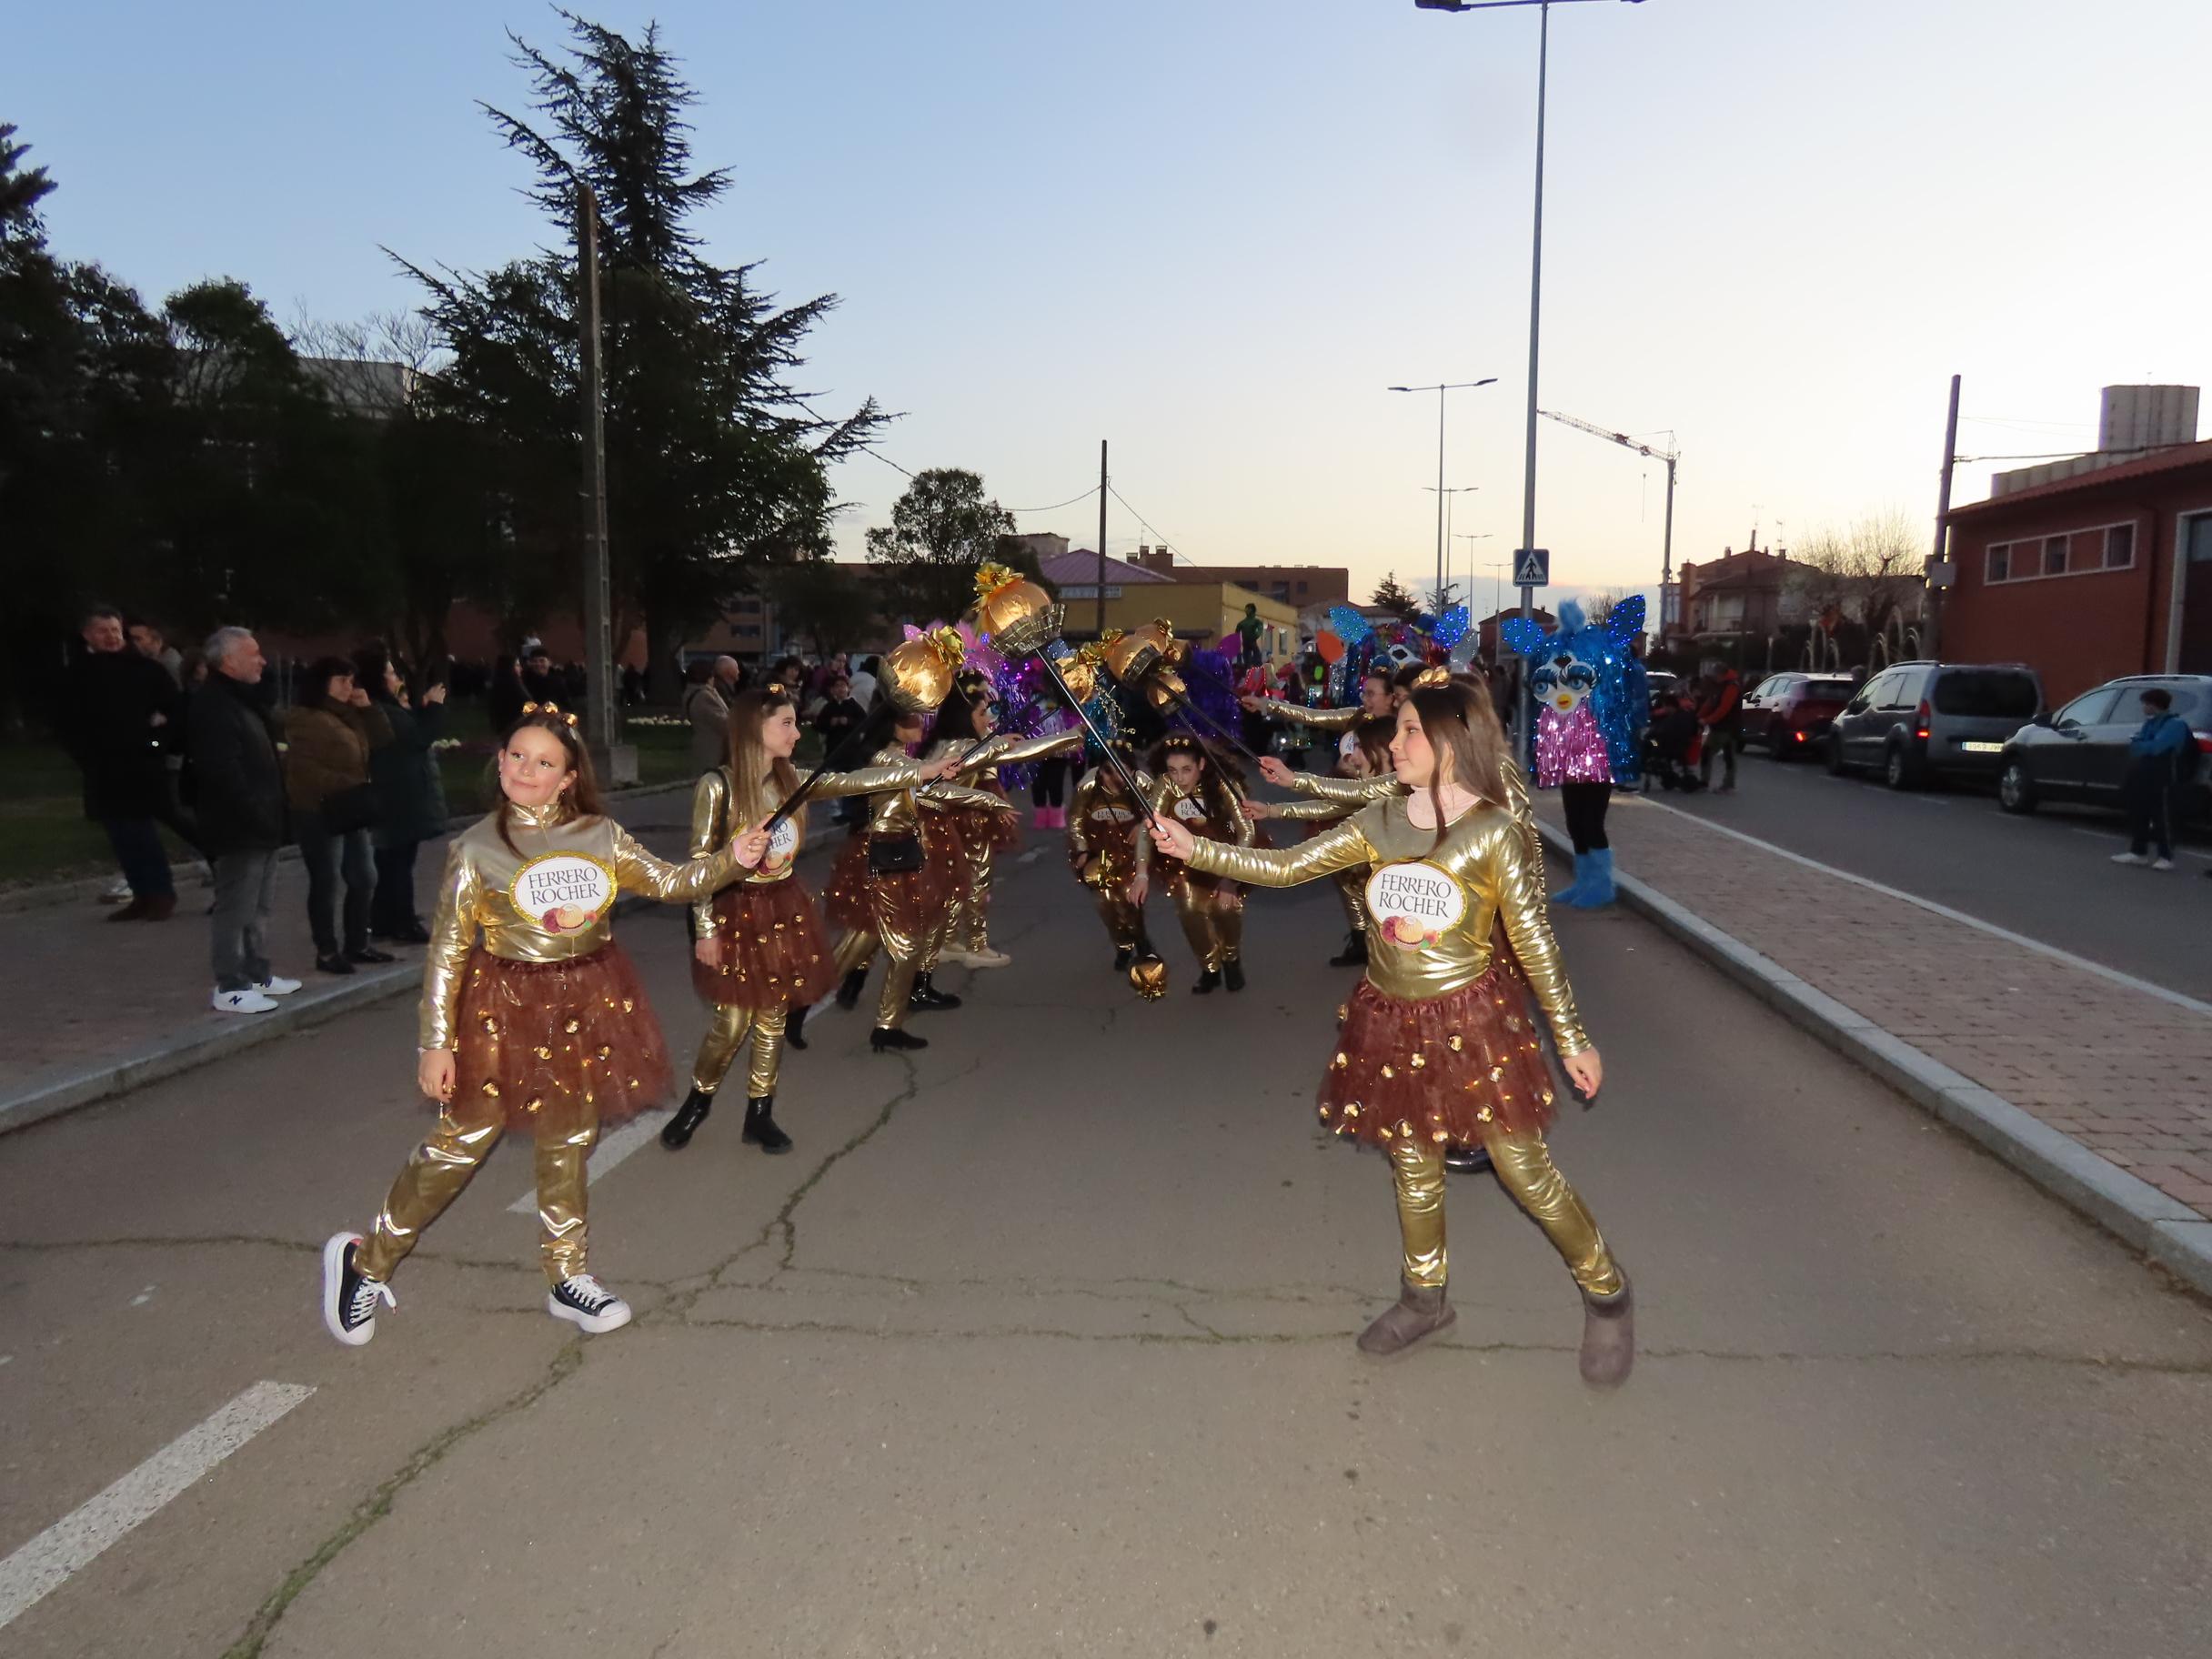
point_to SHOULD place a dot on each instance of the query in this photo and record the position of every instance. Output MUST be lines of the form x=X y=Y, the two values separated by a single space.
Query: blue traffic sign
x=1533 y=568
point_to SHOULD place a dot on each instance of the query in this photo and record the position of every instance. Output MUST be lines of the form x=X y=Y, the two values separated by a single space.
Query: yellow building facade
x=1206 y=614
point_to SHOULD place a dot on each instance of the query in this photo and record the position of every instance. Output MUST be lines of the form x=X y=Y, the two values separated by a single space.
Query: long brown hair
x=1215 y=791
x=1373 y=737
x=1462 y=725
x=751 y=770
x=582 y=796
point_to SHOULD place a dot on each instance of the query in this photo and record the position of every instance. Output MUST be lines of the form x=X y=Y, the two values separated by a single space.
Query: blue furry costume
x=1593 y=701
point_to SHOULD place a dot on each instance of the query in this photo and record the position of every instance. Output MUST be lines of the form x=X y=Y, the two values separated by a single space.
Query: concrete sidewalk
x=2097 y=1084
x=98 y=1008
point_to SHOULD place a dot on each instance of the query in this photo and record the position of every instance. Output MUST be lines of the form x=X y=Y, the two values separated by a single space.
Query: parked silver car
x=2081 y=752
x=1915 y=722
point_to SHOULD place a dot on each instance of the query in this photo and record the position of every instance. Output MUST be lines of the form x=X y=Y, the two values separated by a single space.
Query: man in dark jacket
x=115 y=703
x=2162 y=757
x=1723 y=719
x=237 y=789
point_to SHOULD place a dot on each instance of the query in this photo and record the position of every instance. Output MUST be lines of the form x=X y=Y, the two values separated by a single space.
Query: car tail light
x=2203 y=742
x=1798 y=734
x=1920 y=721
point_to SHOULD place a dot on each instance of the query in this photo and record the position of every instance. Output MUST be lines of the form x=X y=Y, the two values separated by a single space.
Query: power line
x=1056 y=506
x=1155 y=529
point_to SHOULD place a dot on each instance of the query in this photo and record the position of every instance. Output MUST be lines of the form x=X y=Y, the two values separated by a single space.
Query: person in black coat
x=234 y=779
x=410 y=792
x=115 y=705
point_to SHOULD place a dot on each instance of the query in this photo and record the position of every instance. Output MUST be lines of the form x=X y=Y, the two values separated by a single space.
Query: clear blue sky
x=1213 y=231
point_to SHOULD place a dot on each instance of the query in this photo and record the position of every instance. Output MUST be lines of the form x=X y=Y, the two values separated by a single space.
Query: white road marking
x=72 y=1544
x=145 y=1296
x=1945 y=910
x=611 y=1151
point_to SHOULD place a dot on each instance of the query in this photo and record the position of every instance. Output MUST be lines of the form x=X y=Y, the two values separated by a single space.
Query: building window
x=2000 y=568
x=2120 y=547
x=2055 y=555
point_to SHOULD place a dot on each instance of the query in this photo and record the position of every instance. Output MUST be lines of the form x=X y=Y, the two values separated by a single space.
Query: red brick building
x=2091 y=576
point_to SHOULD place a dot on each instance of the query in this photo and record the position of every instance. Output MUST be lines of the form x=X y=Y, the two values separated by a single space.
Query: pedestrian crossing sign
x=1533 y=568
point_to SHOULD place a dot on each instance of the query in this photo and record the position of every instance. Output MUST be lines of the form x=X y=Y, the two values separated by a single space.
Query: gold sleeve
x=453 y=933
x=1320 y=719
x=1517 y=879
x=1357 y=791
x=1246 y=833
x=1079 y=815
x=1343 y=847
x=865 y=780
x=639 y=872
x=942 y=795
x=999 y=750
x=1523 y=809
x=1310 y=812
x=1159 y=801
x=710 y=827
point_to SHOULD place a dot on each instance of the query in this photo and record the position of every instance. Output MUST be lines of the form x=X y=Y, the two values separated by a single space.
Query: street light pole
x=1443 y=577
x=1455 y=386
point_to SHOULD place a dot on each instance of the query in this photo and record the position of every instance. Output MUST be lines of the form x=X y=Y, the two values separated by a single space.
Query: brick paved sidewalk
x=2125 y=1073
x=80 y=990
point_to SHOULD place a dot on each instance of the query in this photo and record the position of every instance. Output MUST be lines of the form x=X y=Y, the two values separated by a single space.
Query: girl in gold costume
x=967 y=732
x=1362 y=754
x=532 y=1017
x=1434 y=1045
x=1105 y=851
x=1192 y=786
x=759 y=956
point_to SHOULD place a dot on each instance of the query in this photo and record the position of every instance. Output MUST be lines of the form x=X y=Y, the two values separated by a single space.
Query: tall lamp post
x=1443 y=579
x=1535 y=286
x=1456 y=386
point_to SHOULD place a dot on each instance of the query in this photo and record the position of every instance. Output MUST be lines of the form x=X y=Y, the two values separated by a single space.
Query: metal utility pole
x=1939 y=563
x=1444 y=565
x=615 y=763
x=1102 y=538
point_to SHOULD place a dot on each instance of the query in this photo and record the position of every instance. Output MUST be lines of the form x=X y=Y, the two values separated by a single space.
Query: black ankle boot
x=676 y=1134
x=1353 y=954
x=1466 y=1159
x=1207 y=981
x=1232 y=974
x=925 y=997
x=795 y=1028
x=761 y=1126
x=849 y=991
x=1125 y=954
x=888 y=1037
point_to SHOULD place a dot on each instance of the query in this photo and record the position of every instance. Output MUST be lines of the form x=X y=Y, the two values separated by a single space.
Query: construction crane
x=1666 y=568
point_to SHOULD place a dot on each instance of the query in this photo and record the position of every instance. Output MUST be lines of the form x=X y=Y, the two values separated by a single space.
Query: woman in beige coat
x=327 y=737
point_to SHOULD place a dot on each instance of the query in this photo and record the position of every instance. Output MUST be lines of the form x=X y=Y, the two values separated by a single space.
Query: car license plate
x=1983 y=749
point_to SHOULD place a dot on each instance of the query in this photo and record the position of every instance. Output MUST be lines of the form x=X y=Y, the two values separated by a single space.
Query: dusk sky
x=1213 y=232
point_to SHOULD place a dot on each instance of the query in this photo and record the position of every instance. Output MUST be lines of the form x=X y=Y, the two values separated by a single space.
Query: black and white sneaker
x=588 y=1304
x=349 y=1300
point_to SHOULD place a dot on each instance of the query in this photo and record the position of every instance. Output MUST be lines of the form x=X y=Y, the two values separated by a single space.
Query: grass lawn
x=45 y=835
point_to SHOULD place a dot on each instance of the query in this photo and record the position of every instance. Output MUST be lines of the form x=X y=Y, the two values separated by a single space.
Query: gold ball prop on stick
x=1148 y=977
x=918 y=674
x=1020 y=617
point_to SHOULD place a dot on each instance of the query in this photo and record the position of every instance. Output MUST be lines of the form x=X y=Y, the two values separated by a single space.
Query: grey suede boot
x=1420 y=1312
x=1609 y=1338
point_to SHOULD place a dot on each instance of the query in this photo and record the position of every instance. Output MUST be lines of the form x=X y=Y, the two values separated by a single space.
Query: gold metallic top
x=980 y=755
x=1432 y=906
x=898 y=810
x=1363 y=789
x=1170 y=800
x=1320 y=719
x=1108 y=826
x=718 y=817
x=550 y=898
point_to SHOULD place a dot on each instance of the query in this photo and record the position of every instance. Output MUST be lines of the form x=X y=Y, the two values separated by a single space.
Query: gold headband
x=547 y=708
x=775 y=688
x=1432 y=677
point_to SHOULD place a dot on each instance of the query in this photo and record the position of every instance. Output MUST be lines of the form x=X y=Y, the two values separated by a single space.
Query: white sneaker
x=120 y=893
x=350 y=1301
x=986 y=959
x=277 y=985
x=2162 y=863
x=2129 y=858
x=247 y=1001
x=585 y=1302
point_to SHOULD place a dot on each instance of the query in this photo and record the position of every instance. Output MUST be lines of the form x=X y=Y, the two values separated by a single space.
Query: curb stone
x=2163 y=1230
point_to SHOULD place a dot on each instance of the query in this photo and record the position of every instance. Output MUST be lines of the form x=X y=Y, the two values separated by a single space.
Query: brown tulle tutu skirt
x=560 y=1044
x=911 y=902
x=775 y=953
x=1003 y=830
x=1449 y=1069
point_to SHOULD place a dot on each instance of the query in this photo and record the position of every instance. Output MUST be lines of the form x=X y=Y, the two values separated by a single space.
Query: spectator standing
x=115 y=703
x=236 y=782
x=840 y=716
x=410 y=792
x=1722 y=718
x=864 y=683
x=707 y=709
x=147 y=641
x=2162 y=757
x=540 y=683
x=327 y=742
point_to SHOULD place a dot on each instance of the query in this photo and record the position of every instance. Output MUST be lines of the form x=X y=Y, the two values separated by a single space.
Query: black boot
x=761 y=1126
x=676 y=1133
x=890 y=1037
x=1466 y=1159
x=925 y=997
x=849 y=991
x=795 y=1028
x=1232 y=974
x=1207 y=981
x=1353 y=954
x=1125 y=954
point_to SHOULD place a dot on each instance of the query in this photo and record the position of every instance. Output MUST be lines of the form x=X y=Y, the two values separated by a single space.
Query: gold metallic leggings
x=909 y=957
x=1351 y=888
x=1124 y=921
x=970 y=927
x=1524 y=1169
x=444 y=1164
x=730 y=1028
x=1216 y=935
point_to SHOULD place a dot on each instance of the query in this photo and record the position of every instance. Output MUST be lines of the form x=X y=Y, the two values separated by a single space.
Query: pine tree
x=1392 y=597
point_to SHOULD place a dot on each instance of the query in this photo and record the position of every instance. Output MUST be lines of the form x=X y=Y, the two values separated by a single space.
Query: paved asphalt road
x=2047 y=875
x=1042 y=1345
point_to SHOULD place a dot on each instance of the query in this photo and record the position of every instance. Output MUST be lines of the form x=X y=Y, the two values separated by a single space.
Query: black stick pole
x=798 y=797
x=1113 y=758
x=1192 y=712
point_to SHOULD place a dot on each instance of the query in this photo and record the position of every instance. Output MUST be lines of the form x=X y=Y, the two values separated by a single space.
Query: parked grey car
x=1915 y=722
x=2080 y=753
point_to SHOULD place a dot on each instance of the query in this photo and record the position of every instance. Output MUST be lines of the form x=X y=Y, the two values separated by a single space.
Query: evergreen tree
x=1390 y=597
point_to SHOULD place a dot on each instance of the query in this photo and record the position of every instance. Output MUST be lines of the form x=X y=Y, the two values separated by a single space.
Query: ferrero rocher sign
x=563 y=892
x=1414 y=903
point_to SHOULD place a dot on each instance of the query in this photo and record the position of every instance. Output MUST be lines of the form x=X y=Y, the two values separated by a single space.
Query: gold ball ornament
x=1015 y=614
x=1132 y=656
x=918 y=674
x=1148 y=977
